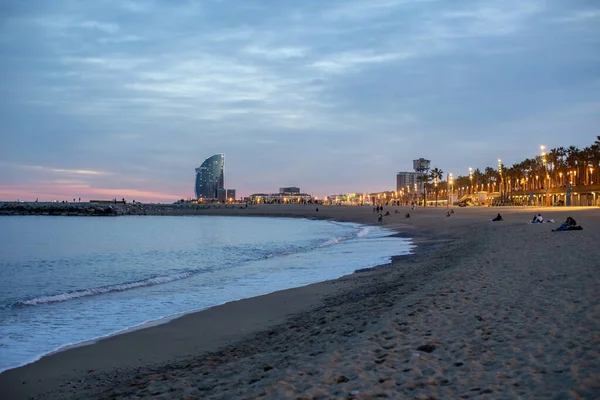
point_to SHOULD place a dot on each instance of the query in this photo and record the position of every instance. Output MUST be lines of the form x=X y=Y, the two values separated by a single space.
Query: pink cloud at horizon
x=85 y=193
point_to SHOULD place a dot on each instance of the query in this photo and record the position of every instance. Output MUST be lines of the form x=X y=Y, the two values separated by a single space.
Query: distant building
x=421 y=165
x=222 y=195
x=280 y=197
x=231 y=194
x=291 y=189
x=409 y=182
x=210 y=179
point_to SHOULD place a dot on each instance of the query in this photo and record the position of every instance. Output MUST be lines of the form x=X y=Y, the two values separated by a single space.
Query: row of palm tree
x=560 y=167
x=435 y=175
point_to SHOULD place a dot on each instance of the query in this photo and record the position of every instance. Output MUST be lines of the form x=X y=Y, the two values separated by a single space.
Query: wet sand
x=482 y=309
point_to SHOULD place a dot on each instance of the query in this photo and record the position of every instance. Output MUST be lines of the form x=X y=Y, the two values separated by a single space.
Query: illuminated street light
x=501 y=178
x=450 y=189
x=471 y=178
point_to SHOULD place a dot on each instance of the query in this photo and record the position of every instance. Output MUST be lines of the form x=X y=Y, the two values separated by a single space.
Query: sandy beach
x=496 y=310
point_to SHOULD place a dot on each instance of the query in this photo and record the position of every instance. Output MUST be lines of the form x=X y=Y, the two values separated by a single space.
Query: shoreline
x=170 y=317
x=434 y=236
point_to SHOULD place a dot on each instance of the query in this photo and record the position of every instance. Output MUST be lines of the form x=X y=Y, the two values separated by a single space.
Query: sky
x=122 y=98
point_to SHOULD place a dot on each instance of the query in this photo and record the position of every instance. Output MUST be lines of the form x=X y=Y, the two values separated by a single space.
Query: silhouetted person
x=380 y=218
x=407 y=215
x=568 y=225
x=498 y=218
x=317 y=209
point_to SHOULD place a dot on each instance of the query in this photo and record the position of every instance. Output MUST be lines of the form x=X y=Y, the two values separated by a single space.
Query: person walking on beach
x=380 y=218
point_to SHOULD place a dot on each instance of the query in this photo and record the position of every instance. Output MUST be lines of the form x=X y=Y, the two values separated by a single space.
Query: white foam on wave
x=104 y=289
x=333 y=241
x=364 y=231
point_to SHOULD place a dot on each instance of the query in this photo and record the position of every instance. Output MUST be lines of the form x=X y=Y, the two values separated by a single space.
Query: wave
x=365 y=230
x=335 y=240
x=104 y=289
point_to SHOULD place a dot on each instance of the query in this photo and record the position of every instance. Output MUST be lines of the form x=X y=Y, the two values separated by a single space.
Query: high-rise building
x=210 y=178
x=409 y=182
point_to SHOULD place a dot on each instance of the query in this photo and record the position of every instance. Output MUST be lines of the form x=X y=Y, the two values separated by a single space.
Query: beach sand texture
x=495 y=310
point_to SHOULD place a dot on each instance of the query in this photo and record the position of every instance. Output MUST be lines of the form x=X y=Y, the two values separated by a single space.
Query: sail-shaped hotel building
x=210 y=179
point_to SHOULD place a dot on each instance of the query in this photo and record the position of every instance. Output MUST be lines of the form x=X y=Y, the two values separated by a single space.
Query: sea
x=71 y=280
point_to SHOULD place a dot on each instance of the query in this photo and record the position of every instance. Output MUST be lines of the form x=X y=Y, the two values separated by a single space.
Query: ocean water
x=67 y=280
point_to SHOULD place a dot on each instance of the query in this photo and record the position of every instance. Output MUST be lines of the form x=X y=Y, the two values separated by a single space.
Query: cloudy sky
x=115 y=98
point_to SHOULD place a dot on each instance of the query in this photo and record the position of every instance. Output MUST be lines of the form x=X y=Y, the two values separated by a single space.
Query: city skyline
x=117 y=99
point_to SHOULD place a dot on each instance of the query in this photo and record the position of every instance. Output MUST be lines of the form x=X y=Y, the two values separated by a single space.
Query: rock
x=342 y=379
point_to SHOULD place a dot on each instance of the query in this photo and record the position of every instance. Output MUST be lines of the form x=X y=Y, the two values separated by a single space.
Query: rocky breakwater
x=70 y=209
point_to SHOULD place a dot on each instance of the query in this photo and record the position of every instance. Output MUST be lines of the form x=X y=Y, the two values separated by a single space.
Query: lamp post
x=450 y=189
x=501 y=179
x=471 y=179
x=416 y=193
x=544 y=163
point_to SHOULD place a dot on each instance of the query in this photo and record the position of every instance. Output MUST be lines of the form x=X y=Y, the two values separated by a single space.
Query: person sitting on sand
x=407 y=215
x=447 y=213
x=387 y=213
x=537 y=219
x=568 y=225
x=380 y=218
x=396 y=212
x=498 y=218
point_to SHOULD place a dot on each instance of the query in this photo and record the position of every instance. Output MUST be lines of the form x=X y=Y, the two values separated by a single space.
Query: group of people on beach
x=569 y=225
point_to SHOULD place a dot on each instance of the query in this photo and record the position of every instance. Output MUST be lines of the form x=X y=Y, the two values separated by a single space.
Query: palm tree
x=597 y=142
x=489 y=173
x=595 y=159
x=424 y=178
x=436 y=174
x=477 y=175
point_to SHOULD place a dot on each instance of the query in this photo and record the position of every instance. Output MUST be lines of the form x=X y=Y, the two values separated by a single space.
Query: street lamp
x=450 y=189
x=501 y=178
x=471 y=178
